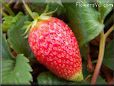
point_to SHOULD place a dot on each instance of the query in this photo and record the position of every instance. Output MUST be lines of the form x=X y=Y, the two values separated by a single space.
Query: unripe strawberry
x=55 y=46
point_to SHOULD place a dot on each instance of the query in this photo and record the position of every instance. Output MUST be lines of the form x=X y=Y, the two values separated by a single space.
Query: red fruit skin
x=55 y=46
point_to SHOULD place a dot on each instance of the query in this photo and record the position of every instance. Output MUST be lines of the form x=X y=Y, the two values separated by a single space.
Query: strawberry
x=55 y=46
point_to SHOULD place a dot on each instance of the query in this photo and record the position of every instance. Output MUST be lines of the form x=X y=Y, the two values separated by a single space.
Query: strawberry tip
x=77 y=77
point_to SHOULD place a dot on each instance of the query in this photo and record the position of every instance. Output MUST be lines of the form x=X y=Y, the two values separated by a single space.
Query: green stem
x=100 y=58
x=2 y=12
x=8 y=9
x=28 y=9
x=101 y=54
x=109 y=31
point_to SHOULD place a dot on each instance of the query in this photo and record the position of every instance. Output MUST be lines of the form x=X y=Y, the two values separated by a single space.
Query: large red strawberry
x=55 y=46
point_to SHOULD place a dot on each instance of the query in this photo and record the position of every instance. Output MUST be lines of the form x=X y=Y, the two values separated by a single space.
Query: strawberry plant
x=56 y=42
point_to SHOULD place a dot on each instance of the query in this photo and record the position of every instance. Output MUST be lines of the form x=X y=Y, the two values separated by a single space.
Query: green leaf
x=100 y=80
x=16 y=38
x=4 y=49
x=54 y=1
x=84 y=21
x=8 y=21
x=16 y=71
x=56 y=5
x=39 y=6
x=109 y=55
x=104 y=7
x=13 y=71
x=47 y=78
